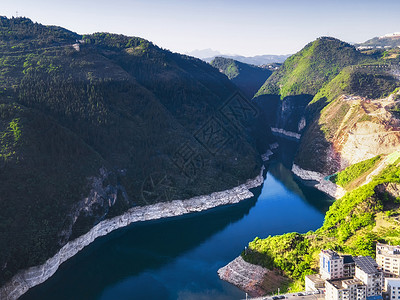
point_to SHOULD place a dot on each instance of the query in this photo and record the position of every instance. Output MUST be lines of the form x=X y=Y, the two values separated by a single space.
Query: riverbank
x=326 y=186
x=253 y=279
x=285 y=133
x=31 y=277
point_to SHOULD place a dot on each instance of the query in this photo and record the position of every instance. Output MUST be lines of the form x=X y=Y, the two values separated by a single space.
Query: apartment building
x=388 y=259
x=393 y=288
x=368 y=272
x=345 y=289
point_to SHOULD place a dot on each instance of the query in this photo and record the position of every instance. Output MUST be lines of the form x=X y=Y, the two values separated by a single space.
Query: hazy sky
x=248 y=28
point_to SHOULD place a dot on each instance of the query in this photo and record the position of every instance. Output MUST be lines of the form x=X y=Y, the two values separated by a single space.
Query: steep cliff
x=300 y=78
x=356 y=122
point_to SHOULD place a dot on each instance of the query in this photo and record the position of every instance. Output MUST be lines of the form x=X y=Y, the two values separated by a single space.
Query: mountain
x=204 y=53
x=308 y=70
x=316 y=91
x=257 y=60
x=286 y=94
x=345 y=106
x=93 y=125
x=356 y=123
x=247 y=77
x=391 y=40
x=353 y=225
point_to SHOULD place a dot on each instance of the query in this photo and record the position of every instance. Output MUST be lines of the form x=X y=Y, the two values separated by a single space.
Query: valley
x=102 y=130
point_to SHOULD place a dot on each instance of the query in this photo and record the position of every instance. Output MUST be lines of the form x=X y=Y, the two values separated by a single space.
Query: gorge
x=98 y=131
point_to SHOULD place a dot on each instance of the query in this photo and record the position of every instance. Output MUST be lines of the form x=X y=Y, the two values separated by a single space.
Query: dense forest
x=93 y=125
x=248 y=78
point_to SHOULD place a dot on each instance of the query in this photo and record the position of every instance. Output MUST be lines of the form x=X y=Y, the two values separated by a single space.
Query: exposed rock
x=285 y=133
x=392 y=188
x=321 y=183
x=291 y=111
x=101 y=197
x=26 y=279
x=266 y=155
x=335 y=141
x=368 y=139
x=302 y=124
x=246 y=276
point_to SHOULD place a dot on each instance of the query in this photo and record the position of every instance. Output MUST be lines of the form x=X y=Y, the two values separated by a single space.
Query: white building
x=367 y=271
x=345 y=289
x=330 y=264
x=388 y=258
x=393 y=288
x=314 y=282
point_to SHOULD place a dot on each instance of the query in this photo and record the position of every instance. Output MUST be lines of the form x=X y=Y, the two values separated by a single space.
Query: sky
x=252 y=27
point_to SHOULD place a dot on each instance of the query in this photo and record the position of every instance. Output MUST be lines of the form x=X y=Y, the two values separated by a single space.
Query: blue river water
x=178 y=258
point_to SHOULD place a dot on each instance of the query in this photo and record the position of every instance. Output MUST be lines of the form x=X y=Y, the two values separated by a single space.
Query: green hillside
x=311 y=68
x=326 y=112
x=352 y=225
x=247 y=77
x=343 y=87
x=103 y=116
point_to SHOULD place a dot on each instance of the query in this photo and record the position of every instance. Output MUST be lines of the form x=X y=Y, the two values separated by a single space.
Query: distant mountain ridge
x=203 y=53
x=257 y=60
x=248 y=78
x=209 y=54
x=390 y=40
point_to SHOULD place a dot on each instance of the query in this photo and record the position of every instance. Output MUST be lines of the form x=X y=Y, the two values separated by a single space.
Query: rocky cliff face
x=31 y=277
x=290 y=114
x=246 y=276
x=350 y=129
x=253 y=279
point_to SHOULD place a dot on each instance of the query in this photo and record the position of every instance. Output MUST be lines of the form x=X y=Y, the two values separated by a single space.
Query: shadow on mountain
x=315 y=152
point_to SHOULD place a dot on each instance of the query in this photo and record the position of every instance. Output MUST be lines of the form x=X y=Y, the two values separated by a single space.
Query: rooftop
x=332 y=254
x=366 y=263
x=343 y=283
x=347 y=259
x=316 y=278
x=387 y=249
x=393 y=281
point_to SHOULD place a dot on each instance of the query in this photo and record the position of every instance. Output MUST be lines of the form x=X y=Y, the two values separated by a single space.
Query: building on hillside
x=349 y=266
x=330 y=264
x=388 y=258
x=314 y=282
x=368 y=272
x=333 y=265
x=392 y=287
x=345 y=289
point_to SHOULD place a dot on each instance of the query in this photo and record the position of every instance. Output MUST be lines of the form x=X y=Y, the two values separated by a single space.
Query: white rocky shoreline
x=326 y=186
x=26 y=279
x=244 y=275
x=249 y=277
x=285 y=133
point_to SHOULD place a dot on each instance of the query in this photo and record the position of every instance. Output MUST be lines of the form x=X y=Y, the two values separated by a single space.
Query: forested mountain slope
x=324 y=92
x=247 y=77
x=93 y=125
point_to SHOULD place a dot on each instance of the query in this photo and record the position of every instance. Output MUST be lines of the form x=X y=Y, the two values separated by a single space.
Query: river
x=178 y=258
